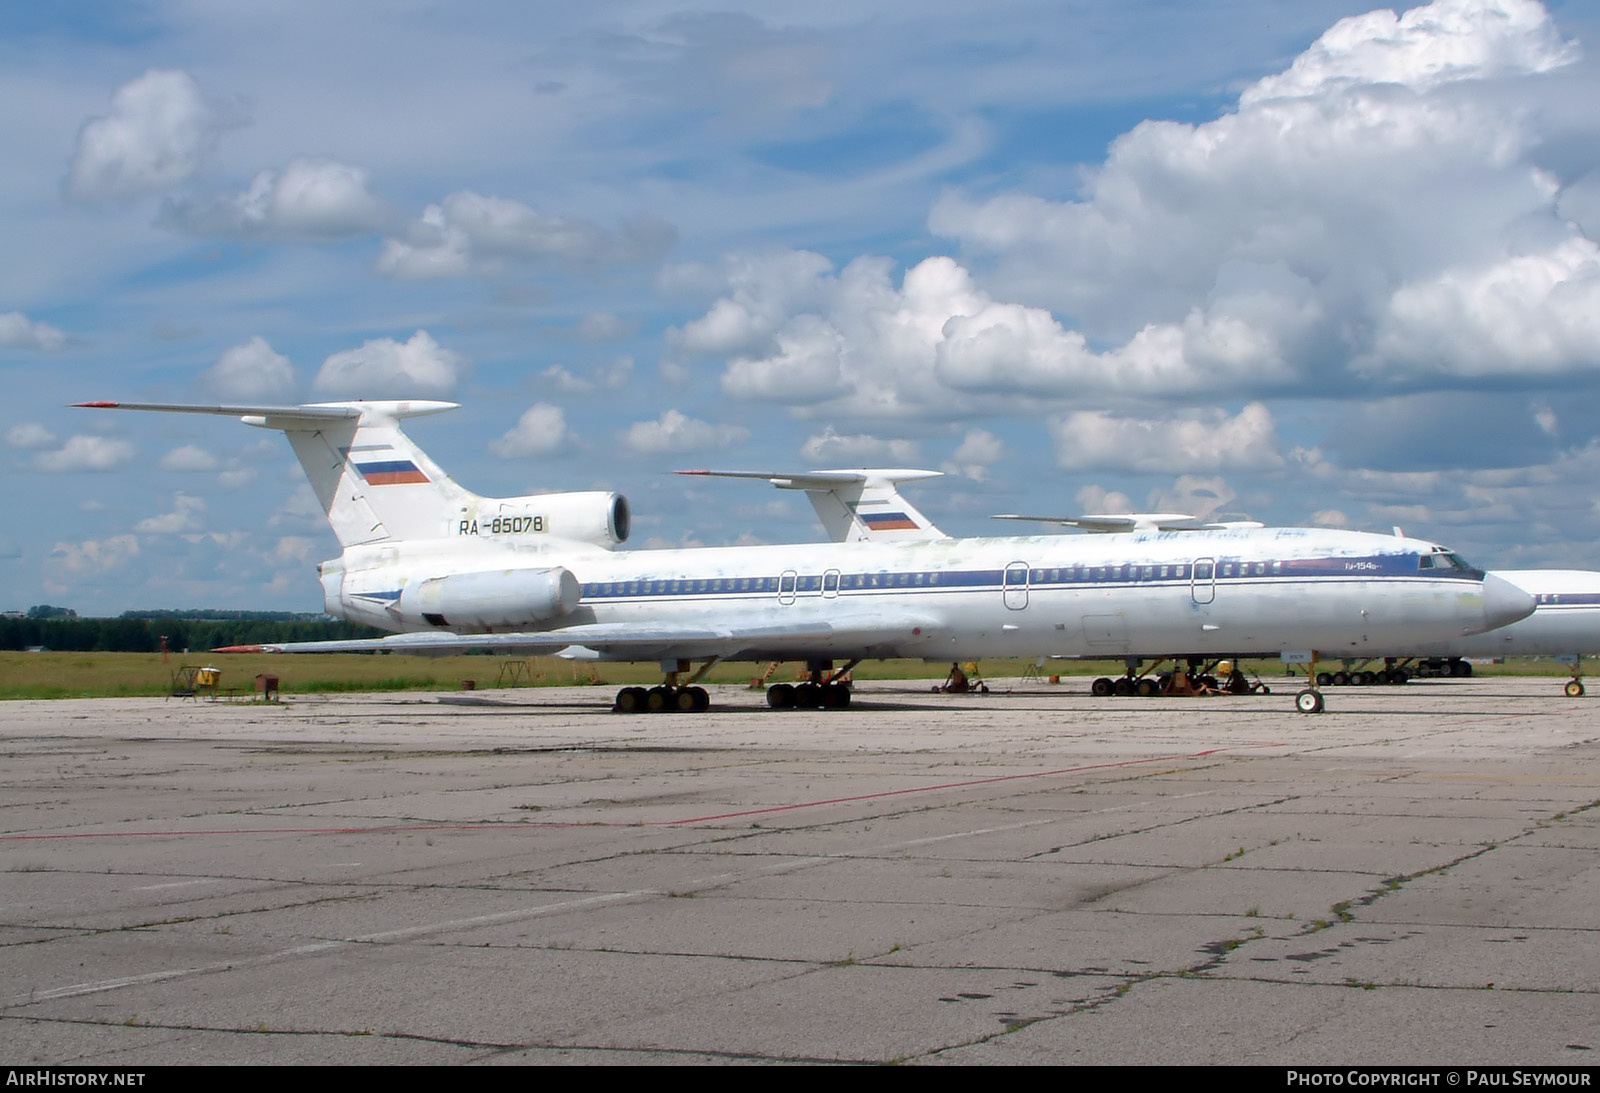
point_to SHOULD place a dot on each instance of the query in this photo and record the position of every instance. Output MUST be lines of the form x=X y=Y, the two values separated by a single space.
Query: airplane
x=451 y=571
x=1564 y=625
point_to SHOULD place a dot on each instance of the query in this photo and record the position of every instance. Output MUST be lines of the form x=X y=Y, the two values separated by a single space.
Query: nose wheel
x=1309 y=701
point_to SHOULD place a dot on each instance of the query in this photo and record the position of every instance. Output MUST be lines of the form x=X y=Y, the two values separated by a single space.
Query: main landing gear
x=670 y=696
x=1196 y=679
x=825 y=690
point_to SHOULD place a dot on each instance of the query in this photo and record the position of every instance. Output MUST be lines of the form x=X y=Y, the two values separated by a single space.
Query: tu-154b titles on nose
x=448 y=571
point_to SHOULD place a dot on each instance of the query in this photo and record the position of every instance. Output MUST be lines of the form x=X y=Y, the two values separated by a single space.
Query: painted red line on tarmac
x=404 y=828
x=946 y=785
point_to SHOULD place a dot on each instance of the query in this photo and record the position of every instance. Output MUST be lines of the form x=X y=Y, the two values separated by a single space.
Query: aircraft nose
x=1503 y=602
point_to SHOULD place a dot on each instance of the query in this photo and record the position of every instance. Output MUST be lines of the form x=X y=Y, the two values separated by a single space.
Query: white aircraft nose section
x=1503 y=602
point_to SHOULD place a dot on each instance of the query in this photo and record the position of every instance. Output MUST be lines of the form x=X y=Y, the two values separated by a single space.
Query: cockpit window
x=1443 y=559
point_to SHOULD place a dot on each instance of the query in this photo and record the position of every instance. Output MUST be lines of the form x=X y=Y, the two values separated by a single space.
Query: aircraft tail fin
x=373 y=481
x=855 y=505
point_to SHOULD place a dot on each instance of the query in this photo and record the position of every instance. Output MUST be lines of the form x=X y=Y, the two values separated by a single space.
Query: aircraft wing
x=629 y=642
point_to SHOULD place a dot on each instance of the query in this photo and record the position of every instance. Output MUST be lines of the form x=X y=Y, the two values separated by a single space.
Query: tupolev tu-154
x=450 y=571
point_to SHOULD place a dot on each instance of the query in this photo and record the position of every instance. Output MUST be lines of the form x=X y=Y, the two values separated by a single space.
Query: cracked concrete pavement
x=1028 y=876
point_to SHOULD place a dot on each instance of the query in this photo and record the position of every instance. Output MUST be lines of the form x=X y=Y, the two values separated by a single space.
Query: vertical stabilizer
x=374 y=483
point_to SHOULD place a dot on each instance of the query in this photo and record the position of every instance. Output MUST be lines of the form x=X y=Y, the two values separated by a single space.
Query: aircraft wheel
x=1324 y=679
x=1101 y=688
x=658 y=699
x=1123 y=686
x=1308 y=701
x=780 y=696
x=630 y=700
x=841 y=696
x=1341 y=679
x=1575 y=688
x=808 y=696
x=1146 y=687
x=683 y=699
x=1402 y=675
x=702 y=700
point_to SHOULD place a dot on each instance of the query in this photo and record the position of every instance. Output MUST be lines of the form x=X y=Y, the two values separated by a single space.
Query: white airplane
x=453 y=571
x=1564 y=625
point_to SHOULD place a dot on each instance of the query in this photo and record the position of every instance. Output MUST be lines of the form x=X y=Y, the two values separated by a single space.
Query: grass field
x=111 y=675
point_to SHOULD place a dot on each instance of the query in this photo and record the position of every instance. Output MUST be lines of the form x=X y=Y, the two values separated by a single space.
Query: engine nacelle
x=594 y=517
x=495 y=599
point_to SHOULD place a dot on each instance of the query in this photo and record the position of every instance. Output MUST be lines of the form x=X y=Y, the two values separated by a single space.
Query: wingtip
x=240 y=649
x=100 y=405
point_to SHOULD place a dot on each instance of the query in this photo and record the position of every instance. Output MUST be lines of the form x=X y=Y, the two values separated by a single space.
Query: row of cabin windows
x=832 y=581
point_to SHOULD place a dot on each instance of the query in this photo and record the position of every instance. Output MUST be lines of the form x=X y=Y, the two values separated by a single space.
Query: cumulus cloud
x=677 y=432
x=383 y=366
x=542 y=430
x=308 y=199
x=856 y=450
x=158 y=132
x=17 y=331
x=189 y=457
x=608 y=377
x=184 y=517
x=979 y=449
x=87 y=453
x=29 y=434
x=1196 y=441
x=1192 y=494
x=251 y=371
x=94 y=555
x=1384 y=206
x=469 y=233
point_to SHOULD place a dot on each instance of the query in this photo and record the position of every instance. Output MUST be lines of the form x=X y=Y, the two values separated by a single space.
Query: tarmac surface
x=1038 y=876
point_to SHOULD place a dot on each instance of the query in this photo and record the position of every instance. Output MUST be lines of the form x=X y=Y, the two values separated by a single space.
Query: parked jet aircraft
x=1565 y=623
x=454 y=571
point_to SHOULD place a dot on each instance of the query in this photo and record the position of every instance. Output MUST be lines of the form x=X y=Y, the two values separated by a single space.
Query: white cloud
x=87 y=453
x=468 y=233
x=188 y=458
x=159 y=130
x=308 y=199
x=979 y=449
x=1191 y=494
x=1427 y=46
x=676 y=432
x=1383 y=207
x=1196 y=441
x=94 y=555
x=29 y=434
x=184 y=517
x=1097 y=499
x=542 y=430
x=251 y=371
x=17 y=331
x=857 y=450
x=383 y=366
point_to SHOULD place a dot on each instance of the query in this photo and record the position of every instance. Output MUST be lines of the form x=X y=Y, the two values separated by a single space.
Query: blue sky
x=1308 y=262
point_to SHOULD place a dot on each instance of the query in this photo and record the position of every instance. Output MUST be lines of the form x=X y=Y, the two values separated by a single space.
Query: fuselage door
x=786 y=586
x=1015 y=589
x=1203 y=580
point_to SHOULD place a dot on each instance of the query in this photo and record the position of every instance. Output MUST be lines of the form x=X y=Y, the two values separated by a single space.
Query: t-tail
x=377 y=486
x=855 y=506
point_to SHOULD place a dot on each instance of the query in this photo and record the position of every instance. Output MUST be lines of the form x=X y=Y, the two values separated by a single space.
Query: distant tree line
x=132 y=634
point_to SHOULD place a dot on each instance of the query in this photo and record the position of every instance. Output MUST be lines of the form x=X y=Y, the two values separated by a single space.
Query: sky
x=1301 y=261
